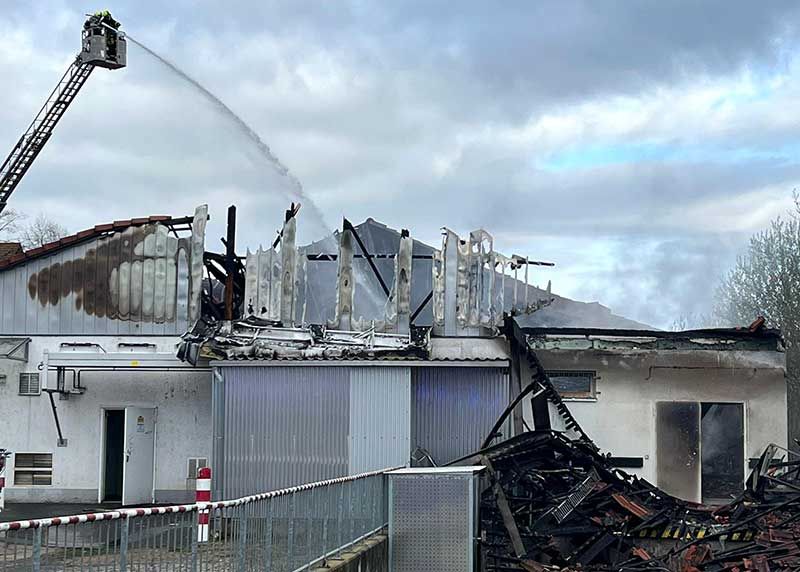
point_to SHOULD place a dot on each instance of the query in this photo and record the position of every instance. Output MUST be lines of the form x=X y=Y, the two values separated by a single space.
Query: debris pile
x=556 y=503
x=256 y=338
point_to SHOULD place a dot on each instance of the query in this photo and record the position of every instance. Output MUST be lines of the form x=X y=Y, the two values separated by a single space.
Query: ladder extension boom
x=102 y=45
x=33 y=140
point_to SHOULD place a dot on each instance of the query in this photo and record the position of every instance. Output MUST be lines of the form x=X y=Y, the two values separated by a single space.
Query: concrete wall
x=183 y=429
x=629 y=384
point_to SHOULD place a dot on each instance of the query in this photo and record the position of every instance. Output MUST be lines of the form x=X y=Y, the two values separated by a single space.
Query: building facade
x=688 y=411
x=93 y=402
x=97 y=407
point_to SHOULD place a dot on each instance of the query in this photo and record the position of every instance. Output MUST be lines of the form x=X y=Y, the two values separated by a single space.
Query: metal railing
x=281 y=531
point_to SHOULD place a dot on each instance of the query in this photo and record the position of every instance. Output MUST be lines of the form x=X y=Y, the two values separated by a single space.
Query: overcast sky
x=635 y=144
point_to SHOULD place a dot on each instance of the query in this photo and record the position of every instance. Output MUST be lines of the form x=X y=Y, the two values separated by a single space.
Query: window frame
x=590 y=396
x=196 y=460
x=32 y=469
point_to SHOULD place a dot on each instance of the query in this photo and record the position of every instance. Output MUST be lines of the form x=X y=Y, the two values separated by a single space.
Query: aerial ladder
x=102 y=45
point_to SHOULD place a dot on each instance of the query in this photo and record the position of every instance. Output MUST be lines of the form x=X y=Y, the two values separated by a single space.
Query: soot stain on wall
x=94 y=278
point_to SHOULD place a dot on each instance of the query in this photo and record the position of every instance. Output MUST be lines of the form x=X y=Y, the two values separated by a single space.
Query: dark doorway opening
x=722 y=450
x=115 y=436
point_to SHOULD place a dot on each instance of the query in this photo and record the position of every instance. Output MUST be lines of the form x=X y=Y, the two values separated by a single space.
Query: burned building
x=688 y=411
x=93 y=402
x=340 y=358
x=392 y=389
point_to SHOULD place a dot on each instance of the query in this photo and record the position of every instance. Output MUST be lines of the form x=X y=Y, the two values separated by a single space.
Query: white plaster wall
x=183 y=400
x=622 y=419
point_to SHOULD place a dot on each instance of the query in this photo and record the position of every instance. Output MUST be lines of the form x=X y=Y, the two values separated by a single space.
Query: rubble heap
x=256 y=338
x=556 y=503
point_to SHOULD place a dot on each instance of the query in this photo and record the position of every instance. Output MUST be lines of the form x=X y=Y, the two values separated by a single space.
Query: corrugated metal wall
x=132 y=282
x=284 y=426
x=380 y=424
x=454 y=408
x=278 y=426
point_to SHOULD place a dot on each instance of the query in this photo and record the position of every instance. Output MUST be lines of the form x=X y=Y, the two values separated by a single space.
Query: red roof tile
x=16 y=256
x=8 y=249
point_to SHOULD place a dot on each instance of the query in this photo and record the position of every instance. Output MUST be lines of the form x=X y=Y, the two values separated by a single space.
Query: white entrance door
x=139 y=445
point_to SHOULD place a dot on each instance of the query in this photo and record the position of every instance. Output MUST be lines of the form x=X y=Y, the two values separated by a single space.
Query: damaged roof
x=18 y=256
x=726 y=339
x=8 y=249
x=257 y=339
x=382 y=239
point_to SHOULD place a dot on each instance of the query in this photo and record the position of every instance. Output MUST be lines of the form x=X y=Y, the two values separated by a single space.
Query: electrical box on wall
x=433 y=519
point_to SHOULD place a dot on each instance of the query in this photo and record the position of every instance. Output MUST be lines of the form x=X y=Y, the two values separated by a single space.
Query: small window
x=574 y=384
x=29 y=384
x=195 y=464
x=33 y=469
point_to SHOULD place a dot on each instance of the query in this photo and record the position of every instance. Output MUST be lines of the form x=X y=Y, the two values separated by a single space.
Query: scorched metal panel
x=137 y=281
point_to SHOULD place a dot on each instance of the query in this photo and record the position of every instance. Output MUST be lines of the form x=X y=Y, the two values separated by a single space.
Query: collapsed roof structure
x=370 y=290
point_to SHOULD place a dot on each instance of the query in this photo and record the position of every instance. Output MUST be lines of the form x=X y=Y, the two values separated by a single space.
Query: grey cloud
x=416 y=77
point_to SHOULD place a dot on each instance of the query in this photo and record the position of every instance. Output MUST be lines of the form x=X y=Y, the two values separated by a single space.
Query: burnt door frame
x=722 y=489
x=104 y=421
x=689 y=464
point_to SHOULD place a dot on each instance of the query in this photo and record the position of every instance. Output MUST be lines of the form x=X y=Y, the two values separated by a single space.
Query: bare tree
x=765 y=281
x=41 y=231
x=9 y=223
x=696 y=321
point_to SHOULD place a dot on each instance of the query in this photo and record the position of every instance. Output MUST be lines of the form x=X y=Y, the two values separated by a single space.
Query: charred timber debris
x=554 y=502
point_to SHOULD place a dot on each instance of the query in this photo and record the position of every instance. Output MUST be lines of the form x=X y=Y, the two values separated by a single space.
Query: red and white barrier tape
x=137 y=512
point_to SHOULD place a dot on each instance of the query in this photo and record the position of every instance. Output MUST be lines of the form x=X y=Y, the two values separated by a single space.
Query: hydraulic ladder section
x=103 y=45
x=36 y=136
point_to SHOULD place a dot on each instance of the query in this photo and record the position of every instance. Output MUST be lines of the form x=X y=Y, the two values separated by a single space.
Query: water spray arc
x=297 y=188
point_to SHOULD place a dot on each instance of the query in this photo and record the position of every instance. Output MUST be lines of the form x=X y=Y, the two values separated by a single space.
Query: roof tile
x=16 y=255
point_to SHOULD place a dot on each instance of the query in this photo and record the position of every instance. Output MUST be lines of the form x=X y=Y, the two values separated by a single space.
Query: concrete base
x=370 y=555
x=42 y=495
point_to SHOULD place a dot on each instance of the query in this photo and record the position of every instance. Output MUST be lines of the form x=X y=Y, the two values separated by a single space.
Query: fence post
x=373 y=521
x=37 y=549
x=243 y=538
x=310 y=512
x=203 y=495
x=268 y=536
x=195 y=541
x=123 y=544
x=326 y=516
x=290 y=540
x=352 y=510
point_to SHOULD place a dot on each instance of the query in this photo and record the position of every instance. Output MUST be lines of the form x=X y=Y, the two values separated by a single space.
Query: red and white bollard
x=203 y=495
x=4 y=455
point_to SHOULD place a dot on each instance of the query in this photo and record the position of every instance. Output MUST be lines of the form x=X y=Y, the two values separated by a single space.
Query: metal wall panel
x=279 y=426
x=131 y=282
x=283 y=426
x=380 y=425
x=454 y=408
x=433 y=522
